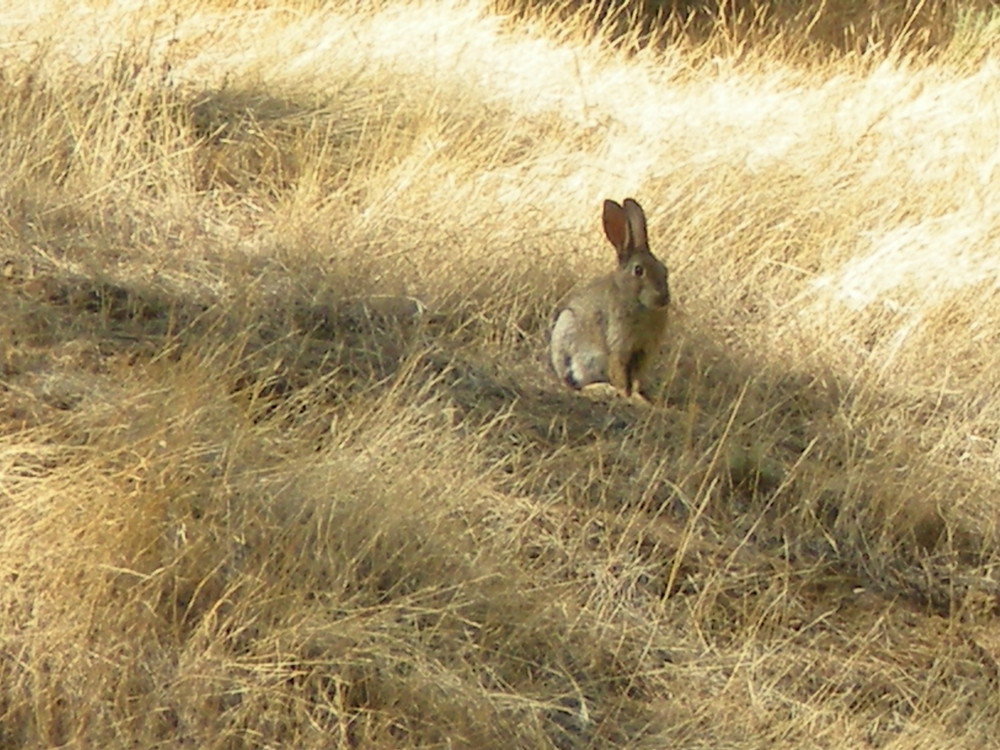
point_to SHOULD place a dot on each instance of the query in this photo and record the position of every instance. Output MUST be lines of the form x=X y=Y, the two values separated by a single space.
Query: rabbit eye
x=638 y=270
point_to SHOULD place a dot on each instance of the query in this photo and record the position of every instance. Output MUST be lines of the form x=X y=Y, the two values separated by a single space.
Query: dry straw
x=282 y=461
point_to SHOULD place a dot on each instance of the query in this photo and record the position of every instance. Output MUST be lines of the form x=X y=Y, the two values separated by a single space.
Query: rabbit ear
x=637 y=225
x=616 y=228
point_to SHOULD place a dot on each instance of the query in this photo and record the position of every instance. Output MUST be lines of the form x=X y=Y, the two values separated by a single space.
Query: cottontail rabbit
x=608 y=330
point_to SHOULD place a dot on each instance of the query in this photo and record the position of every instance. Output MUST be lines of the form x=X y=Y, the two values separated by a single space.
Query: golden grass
x=282 y=461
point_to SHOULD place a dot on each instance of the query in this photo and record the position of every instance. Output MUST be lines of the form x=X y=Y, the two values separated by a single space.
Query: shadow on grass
x=726 y=451
x=831 y=28
x=762 y=458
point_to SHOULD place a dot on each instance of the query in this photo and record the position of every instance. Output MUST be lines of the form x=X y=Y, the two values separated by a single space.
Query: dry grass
x=282 y=462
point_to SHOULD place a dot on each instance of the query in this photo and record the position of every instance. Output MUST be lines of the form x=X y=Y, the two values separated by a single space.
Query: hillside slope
x=283 y=464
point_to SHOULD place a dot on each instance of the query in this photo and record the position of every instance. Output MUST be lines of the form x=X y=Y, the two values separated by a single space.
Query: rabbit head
x=640 y=276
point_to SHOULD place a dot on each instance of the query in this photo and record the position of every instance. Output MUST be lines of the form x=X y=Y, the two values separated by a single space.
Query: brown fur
x=609 y=330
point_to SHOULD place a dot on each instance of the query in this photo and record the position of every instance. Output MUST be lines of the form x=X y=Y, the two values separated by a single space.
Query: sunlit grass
x=283 y=464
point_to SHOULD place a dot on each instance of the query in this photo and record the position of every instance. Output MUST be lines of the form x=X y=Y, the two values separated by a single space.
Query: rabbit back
x=579 y=347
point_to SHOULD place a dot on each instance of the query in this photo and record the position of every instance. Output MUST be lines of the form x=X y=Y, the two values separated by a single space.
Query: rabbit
x=608 y=330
